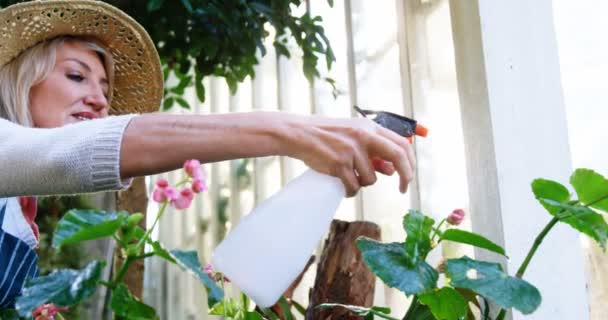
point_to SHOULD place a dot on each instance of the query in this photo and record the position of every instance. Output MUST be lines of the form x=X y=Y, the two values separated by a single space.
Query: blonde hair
x=33 y=66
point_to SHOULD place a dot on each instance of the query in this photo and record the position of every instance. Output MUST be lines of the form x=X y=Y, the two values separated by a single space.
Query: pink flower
x=162 y=183
x=199 y=185
x=171 y=193
x=47 y=312
x=455 y=218
x=208 y=269
x=184 y=199
x=193 y=168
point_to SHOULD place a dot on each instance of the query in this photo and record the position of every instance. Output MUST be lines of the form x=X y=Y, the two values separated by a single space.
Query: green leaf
x=418 y=242
x=548 y=189
x=418 y=311
x=445 y=303
x=65 y=287
x=382 y=312
x=488 y=280
x=473 y=239
x=160 y=251
x=584 y=220
x=188 y=260
x=154 y=5
x=188 y=5
x=389 y=262
x=168 y=103
x=252 y=315
x=124 y=304
x=591 y=188
x=83 y=225
x=183 y=103
x=285 y=309
x=9 y=314
x=199 y=87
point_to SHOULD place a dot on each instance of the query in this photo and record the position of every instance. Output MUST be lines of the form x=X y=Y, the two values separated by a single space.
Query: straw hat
x=137 y=84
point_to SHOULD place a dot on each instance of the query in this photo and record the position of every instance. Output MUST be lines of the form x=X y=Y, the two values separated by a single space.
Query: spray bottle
x=269 y=248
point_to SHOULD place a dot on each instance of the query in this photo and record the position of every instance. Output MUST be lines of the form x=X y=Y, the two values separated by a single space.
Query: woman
x=65 y=66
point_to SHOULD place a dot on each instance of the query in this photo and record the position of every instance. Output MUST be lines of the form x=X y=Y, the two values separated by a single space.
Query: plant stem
x=539 y=239
x=122 y=271
x=161 y=211
x=437 y=230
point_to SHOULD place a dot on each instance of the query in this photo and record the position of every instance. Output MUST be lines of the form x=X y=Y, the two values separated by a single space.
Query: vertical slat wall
x=391 y=55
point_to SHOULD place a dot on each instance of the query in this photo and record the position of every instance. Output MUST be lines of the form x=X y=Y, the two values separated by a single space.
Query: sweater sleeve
x=76 y=158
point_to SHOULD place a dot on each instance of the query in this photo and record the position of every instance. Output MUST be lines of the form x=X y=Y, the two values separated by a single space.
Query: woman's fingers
x=397 y=155
x=383 y=167
x=350 y=181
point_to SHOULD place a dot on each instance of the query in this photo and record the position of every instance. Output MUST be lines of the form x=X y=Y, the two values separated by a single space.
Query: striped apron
x=18 y=262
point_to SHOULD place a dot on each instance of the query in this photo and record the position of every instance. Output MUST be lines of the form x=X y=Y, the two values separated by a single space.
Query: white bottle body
x=269 y=247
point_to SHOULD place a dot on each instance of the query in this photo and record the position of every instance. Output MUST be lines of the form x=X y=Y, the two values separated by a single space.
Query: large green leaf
x=584 y=220
x=548 y=189
x=488 y=280
x=82 y=225
x=418 y=242
x=367 y=313
x=65 y=287
x=473 y=239
x=188 y=260
x=390 y=263
x=124 y=304
x=591 y=187
x=9 y=314
x=445 y=303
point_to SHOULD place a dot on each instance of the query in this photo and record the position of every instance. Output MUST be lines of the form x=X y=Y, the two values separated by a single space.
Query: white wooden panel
x=509 y=87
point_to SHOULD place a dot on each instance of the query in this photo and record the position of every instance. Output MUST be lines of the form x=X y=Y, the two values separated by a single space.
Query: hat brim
x=138 y=80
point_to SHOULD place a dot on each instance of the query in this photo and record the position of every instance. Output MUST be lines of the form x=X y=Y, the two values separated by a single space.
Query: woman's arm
x=77 y=158
x=156 y=143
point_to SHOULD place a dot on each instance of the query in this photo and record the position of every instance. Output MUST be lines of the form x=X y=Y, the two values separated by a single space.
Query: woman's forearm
x=155 y=143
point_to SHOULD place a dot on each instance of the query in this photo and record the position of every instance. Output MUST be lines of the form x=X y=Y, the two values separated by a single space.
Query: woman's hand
x=350 y=149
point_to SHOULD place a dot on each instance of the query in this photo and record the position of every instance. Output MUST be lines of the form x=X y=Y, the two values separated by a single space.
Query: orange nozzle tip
x=421 y=130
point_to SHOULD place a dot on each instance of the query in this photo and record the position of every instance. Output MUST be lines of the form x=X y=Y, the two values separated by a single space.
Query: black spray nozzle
x=401 y=125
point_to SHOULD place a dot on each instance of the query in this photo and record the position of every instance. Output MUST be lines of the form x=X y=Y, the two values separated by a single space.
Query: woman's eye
x=75 y=77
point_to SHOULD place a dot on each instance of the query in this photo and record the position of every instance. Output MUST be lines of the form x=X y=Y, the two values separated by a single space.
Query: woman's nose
x=97 y=100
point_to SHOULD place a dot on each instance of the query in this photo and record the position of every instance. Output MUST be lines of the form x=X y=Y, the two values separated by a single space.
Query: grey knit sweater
x=76 y=158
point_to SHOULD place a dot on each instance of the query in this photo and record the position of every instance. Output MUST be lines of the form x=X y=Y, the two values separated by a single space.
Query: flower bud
x=193 y=168
x=456 y=217
x=198 y=185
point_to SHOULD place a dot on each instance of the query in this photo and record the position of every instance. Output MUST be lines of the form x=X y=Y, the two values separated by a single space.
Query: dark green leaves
x=474 y=239
x=124 y=304
x=188 y=260
x=418 y=242
x=154 y=5
x=367 y=313
x=547 y=189
x=82 y=225
x=591 y=188
x=488 y=279
x=583 y=219
x=445 y=303
x=63 y=288
x=389 y=262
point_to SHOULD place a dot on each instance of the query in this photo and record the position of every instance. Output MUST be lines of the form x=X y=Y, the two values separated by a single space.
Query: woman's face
x=76 y=90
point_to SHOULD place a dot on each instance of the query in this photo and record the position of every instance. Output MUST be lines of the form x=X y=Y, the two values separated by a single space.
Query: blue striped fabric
x=18 y=262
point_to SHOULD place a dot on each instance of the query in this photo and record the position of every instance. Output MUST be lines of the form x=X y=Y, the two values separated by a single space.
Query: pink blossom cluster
x=182 y=199
x=47 y=312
